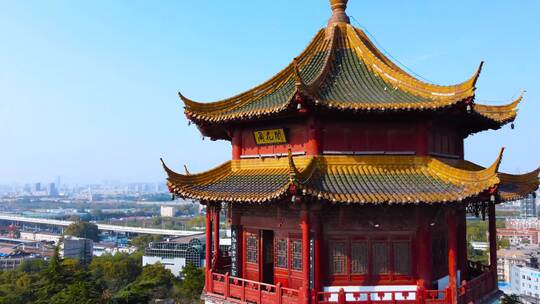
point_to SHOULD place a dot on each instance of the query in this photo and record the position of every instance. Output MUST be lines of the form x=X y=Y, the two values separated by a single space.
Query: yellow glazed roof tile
x=339 y=69
x=350 y=179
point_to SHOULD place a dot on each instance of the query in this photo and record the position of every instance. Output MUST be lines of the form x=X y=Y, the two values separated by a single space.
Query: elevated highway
x=104 y=227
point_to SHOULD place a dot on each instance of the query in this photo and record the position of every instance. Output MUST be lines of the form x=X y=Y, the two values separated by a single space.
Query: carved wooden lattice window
x=252 y=249
x=380 y=258
x=359 y=258
x=296 y=255
x=338 y=258
x=281 y=253
x=402 y=258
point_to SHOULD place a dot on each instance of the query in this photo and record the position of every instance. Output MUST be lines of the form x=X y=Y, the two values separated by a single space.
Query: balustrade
x=361 y=297
x=244 y=291
x=477 y=288
x=238 y=290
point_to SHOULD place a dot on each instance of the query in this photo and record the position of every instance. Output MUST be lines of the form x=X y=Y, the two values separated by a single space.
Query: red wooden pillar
x=215 y=221
x=304 y=226
x=492 y=228
x=452 y=254
x=208 y=248
x=423 y=245
x=317 y=271
x=463 y=263
x=236 y=144
x=313 y=144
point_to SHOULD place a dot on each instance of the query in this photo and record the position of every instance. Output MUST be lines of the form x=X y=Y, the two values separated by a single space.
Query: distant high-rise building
x=527 y=206
x=58 y=185
x=52 y=190
x=37 y=187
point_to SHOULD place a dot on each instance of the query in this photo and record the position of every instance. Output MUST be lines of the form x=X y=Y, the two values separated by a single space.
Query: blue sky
x=88 y=90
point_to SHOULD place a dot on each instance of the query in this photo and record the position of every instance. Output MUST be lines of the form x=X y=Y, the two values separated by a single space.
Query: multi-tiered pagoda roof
x=343 y=73
x=342 y=70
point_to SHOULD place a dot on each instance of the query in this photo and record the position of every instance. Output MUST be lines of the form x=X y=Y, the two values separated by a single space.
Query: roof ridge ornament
x=167 y=169
x=495 y=166
x=338 y=12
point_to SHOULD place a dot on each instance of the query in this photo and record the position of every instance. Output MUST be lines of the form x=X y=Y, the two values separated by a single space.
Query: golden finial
x=338 y=12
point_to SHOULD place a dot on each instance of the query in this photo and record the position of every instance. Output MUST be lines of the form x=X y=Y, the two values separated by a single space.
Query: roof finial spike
x=338 y=12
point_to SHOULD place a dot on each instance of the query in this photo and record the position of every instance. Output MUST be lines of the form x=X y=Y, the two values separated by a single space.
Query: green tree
x=32 y=266
x=81 y=292
x=108 y=279
x=503 y=243
x=196 y=221
x=116 y=271
x=193 y=282
x=83 y=229
x=142 y=241
x=154 y=282
x=52 y=279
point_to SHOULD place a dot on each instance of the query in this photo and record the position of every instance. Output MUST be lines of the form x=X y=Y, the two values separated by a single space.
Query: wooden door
x=251 y=255
x=267 y=254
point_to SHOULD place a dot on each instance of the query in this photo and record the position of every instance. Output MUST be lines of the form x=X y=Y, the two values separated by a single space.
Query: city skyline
x=88 y=90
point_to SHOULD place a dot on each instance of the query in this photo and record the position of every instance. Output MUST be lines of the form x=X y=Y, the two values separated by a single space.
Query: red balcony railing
x=477 y=288
x=244 y=291
x=435 y=296
x=236 y=290
x=361 y=297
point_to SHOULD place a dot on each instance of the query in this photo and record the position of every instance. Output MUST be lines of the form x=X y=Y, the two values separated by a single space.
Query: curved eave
x=515 y=187
x=224 y=183
x=511 y=186
x=344 y=179
x=473 y=183
x=499 y=115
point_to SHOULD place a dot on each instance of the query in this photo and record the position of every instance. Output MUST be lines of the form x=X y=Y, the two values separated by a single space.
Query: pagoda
x=348 y=182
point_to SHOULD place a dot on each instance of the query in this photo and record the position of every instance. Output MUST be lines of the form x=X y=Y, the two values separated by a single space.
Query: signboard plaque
x=270 y=137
